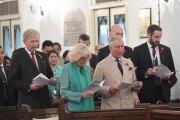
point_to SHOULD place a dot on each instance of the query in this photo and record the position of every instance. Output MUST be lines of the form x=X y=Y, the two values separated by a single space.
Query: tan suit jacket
x=107 y=70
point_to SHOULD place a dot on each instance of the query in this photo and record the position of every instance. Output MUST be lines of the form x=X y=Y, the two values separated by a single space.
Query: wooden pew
x=141 y=112
x=174 y=106
x=120 y=114
x=26 y=113
x=165 y=115
x=8 y=113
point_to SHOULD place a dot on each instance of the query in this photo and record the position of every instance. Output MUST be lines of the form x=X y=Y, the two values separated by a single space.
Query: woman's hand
x=52 y=81
x=85 y=95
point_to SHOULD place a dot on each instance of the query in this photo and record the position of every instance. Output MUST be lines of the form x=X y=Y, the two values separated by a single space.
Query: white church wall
x=51 y=23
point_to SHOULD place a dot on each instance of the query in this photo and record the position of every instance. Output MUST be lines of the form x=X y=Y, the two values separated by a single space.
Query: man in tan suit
x=107 y=69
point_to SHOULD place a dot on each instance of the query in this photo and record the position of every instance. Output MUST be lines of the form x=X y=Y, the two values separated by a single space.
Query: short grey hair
x=29 y=33
x=113 y=39
x=78 y=51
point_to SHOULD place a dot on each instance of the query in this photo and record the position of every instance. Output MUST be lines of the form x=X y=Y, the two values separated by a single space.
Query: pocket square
x=130 y=68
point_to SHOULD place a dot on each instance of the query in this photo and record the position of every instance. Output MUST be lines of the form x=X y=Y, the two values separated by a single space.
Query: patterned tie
x=33 y=58
x=119 y=66
x=157 y=80
x=4 y=84
x=155 y=60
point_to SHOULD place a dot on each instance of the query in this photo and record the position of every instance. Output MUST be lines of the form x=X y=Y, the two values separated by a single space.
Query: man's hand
x=113 y=90
x=150 y=71
x=135 y=98
x=35 y=86
x=165 y=77
x=138 y=85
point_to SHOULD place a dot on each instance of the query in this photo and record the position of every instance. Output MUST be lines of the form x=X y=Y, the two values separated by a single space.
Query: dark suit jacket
x=143 y=62
x=104 y=52
x=92 y=61
x=2 y=95
x=22 y=72
x=11 y=101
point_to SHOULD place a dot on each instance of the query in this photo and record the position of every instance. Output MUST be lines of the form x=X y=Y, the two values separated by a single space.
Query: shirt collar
x=150 y=46
x=2 y=66
x=115 y=58
x=28 y=51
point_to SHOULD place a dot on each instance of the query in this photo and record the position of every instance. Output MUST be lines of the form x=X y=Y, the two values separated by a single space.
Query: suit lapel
x=28 y=58
x=162 y=57
x=39 y=60
x=147 y=55
x=113 y=66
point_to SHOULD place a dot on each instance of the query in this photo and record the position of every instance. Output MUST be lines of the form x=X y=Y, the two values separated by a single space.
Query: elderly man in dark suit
x=116 y=30
x=147 y=56
x=26 y=64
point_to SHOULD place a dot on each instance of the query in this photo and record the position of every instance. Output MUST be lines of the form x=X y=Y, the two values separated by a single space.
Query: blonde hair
x=29 y=33
x=78 y=51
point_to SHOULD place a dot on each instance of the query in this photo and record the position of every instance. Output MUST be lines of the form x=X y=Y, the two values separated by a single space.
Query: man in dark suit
x=147 y=56
x=3 y=81
x=26 y=64
x=84 y=39
x=116 y=30
x=6 y=90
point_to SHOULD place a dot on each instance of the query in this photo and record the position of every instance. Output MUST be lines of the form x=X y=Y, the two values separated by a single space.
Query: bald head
x=116 y=30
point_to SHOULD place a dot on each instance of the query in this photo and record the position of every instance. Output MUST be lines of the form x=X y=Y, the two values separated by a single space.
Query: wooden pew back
x=120 y=114
x=26 y=113
x=165 y=115
x=8 y=113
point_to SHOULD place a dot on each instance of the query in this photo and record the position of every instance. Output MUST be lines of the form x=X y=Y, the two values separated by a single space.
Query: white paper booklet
x=162 y=70
x=94 y=87
x=125 y=85
x=41 y=79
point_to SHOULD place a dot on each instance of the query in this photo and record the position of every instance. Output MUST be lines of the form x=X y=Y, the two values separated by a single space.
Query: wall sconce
x=36 y=9
x=41 y=11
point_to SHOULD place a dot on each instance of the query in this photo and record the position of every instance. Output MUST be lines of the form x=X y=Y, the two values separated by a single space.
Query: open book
x=94 y=87
x=41 y=79
x=162 y=70
x=125 y=85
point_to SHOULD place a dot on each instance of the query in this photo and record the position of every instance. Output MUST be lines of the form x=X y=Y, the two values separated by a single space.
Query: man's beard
x=156 y=43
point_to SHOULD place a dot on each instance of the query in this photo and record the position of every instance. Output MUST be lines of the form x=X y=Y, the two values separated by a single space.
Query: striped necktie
x=4 y=84
x=119 y=66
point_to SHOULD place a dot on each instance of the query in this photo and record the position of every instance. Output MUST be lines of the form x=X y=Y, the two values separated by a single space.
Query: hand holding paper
x=162 y=70
x=137 y=85
x=41 y=79
x=94 y=87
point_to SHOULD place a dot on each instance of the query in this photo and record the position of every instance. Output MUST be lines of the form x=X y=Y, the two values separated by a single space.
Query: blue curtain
x=120 y=19
x=103 y=30
x=17 y=36
x=6 y=41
